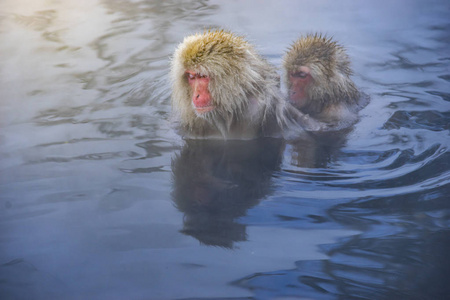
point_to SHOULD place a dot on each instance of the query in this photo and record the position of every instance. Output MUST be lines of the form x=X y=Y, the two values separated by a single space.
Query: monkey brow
x=201 y=75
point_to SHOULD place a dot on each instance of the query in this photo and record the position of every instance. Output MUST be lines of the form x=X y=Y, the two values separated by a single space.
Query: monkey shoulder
x=343 y=115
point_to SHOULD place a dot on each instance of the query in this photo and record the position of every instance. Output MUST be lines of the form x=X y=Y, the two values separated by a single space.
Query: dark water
x=100 y=199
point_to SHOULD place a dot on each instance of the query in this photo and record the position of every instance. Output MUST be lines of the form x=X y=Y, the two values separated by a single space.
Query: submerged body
x=222 y=88
x=317 y=74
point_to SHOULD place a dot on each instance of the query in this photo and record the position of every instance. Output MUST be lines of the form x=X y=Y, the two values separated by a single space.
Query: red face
x=299 y=81
x=201 y=98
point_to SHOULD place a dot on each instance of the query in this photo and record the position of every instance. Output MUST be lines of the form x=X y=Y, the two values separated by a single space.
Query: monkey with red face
x=317 y=74
x=222 y=88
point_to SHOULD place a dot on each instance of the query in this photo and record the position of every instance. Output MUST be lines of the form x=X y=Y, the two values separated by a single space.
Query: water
x=101 y=199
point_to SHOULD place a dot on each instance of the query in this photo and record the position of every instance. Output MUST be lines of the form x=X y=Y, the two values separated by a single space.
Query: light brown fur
x=244 y=88
x=331 y=96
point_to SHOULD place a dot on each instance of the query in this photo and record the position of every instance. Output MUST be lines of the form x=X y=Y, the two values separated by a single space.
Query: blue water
x=101 y=199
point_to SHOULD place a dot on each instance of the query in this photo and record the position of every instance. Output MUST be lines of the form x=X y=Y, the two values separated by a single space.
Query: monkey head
x=317 y=74
x=214 y=76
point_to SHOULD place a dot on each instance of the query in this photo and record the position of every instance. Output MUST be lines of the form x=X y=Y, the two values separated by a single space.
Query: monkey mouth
x=297 y=99
x=204 y=109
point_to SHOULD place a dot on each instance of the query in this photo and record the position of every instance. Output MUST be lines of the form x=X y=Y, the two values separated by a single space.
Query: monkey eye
x=299 y=74
x=190 y=76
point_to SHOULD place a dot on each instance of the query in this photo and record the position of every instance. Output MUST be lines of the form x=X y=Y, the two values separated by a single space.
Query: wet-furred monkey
x=317 y=74
x=222 y=88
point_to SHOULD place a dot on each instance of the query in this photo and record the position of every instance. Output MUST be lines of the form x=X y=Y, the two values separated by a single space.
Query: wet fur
x=332 y=97
x=244 y=88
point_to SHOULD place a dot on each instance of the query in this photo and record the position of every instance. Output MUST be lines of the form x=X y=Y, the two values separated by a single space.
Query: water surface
x=101 y=199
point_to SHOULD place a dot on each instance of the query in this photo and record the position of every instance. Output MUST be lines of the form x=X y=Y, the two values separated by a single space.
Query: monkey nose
x=198 y=95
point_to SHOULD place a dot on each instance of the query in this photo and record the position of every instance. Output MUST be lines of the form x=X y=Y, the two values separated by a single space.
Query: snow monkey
x=222 y=88
x=317 y=74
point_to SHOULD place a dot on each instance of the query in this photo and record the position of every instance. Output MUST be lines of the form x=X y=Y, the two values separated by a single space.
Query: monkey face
x=299 y=80
x=201 y=97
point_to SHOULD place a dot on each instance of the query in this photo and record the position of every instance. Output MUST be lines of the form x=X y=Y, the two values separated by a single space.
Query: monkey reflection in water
x=317 y=74
x=216 y=182
x=223 y=89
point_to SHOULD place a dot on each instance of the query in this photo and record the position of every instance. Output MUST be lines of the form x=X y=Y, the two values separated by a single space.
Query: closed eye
x=299 y=74
x=192 y=76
